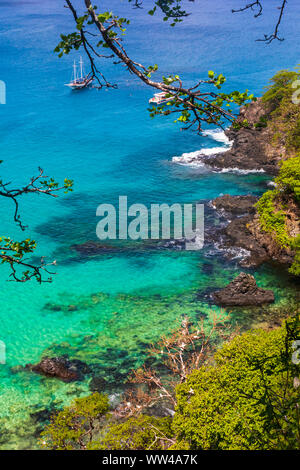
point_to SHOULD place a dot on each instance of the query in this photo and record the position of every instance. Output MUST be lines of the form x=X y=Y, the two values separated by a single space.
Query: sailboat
x=80 y=80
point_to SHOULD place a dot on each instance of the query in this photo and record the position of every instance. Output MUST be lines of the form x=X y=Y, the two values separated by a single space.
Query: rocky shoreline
x=251 y=148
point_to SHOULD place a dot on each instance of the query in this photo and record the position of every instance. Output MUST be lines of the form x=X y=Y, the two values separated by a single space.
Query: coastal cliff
x=266 y=138
x=252 y=148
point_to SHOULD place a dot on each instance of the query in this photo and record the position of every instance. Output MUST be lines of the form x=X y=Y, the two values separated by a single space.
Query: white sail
x=80 y=80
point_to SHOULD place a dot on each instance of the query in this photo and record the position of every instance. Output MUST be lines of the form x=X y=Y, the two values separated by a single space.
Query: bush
x=247 y=400
x=273 y=206
x=280 y=88
x=137 y=433
x=72 y=427
x=271 y=219
x=288 y=179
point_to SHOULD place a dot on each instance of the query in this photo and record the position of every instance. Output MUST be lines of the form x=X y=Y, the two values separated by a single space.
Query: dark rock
x=240 y=236
x=207 y=268
x=251 y=149
x=98 y=384
x=243 y=291
x=235 y=204
x=52 y=307
x=247 y=153
x=72 y=308
x=92 y=248
x=60 y=368
x=42 y=416
x=239 y=212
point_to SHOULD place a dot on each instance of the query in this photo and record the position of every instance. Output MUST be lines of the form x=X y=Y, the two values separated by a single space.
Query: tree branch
x=258 y=4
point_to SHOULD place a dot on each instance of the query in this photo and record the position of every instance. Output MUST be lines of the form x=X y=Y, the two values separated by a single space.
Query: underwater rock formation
x=243 y=291
x=60 y=368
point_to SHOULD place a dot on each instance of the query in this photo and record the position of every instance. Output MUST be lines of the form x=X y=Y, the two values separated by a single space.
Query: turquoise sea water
x=105 y=309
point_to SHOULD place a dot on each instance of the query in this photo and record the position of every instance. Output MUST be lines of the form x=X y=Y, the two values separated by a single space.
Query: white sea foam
x=231 y=253
x=219 y=136
x=240 y=171
x=195 y=158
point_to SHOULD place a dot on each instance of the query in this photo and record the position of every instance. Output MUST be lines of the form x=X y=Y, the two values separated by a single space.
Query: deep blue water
x=108 y=144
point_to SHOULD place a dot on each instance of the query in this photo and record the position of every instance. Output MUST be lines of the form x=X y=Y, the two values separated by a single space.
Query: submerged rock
x=98 y=384
x=60 y=368
x=243 y=291
x=92 y=248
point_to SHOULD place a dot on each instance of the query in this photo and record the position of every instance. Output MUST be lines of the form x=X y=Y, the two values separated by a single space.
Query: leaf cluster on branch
x=192 y=106
x=13 y=252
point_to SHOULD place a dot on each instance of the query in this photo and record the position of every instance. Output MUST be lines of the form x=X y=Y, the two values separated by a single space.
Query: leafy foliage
x=13 y=252
x=280 y=88
x=283 y=111
x=273 y=208
x=72 y=428
x=247 y=400
x=137 y=433
x=272 y=219
x=288 y=180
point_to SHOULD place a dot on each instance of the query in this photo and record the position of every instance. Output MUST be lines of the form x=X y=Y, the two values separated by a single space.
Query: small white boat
x=159 y=98
x=79 y=81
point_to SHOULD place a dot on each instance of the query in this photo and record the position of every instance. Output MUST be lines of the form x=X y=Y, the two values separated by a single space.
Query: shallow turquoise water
x=99 y=306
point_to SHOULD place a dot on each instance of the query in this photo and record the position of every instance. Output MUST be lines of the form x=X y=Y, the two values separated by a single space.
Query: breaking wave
x=198 y=157
x=194 y=158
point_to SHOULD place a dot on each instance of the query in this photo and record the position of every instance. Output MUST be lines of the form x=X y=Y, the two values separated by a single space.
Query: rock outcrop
x=235 y=204
x=60 y=368
x=243 y=291
x=243 y=231
x=252 y=147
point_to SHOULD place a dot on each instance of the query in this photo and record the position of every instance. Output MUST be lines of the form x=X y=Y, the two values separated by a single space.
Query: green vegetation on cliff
x=137 y=433
x=247 y=400
x=279 y=209
x=283 y=111
x=276 y=208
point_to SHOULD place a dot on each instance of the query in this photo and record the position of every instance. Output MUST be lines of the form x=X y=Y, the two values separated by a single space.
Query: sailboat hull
x=79 y=84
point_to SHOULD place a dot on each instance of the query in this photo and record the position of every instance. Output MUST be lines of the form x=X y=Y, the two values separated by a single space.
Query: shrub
x=271 y=219
x=73 y=427
x=288 y=179
x=247 y=400
x=137 y=433
x=272 y=211
x=280 y=88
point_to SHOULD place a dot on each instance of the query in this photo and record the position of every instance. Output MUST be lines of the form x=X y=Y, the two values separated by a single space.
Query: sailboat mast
x=81 y=67
x=74 y=71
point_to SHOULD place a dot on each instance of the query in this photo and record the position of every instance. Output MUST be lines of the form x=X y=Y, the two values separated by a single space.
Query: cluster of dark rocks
x=61 y=368
x=243 y=291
